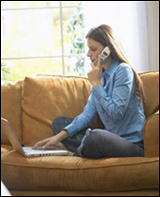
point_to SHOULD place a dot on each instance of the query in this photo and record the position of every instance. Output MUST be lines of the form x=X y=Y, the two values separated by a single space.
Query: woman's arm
x=84 y=119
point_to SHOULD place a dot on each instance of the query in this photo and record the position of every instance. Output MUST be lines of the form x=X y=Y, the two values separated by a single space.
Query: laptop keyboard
x=29 y=150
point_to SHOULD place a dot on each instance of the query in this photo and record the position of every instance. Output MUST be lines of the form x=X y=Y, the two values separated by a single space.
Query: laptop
x=27 y=151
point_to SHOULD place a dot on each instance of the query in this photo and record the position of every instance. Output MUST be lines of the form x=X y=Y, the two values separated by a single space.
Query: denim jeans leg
x=100 y=143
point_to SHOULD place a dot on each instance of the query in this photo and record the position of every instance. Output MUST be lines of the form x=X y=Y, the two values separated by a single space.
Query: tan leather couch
x=30 y=105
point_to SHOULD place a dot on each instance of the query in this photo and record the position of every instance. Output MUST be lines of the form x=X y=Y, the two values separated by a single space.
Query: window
x=41 y=37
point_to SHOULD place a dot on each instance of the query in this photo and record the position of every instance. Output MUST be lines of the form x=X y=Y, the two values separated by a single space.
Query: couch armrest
x=151 y=136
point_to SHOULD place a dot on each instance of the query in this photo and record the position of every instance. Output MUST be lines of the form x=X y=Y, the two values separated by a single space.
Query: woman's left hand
x=94 y=75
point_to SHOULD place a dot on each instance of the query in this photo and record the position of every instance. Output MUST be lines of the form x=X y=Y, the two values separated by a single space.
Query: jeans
x=97 y=143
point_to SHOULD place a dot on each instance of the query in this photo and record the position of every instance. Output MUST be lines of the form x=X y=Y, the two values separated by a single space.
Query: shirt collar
x=111 y=68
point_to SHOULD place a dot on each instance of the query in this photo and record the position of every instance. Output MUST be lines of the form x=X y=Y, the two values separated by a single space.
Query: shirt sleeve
x=84 y=119
x=116 y=104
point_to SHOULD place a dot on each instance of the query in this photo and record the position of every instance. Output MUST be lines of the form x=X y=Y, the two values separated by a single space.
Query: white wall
x=152 y=8
x=137 y=26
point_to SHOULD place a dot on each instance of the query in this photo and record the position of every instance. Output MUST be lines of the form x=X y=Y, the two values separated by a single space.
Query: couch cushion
x=11 y=108
x=6 y=148
x=79 y=174
x=151 y=86
x=45 y=98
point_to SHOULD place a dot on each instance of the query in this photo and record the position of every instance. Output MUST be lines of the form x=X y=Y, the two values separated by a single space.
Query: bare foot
x=70 y=153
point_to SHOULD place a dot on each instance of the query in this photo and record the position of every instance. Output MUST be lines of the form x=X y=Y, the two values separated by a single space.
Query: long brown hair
x=104 y=34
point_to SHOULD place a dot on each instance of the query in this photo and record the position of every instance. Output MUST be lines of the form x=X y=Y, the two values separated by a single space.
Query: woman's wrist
x=62 y=135
x=96 y=84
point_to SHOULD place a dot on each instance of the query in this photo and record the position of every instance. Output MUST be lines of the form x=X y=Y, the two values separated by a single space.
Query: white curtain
x=128 y=20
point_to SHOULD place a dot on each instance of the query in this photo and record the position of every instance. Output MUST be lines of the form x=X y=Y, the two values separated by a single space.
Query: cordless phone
x=105 y=53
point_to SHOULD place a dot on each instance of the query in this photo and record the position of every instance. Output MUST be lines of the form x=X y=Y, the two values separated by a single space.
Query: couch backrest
x=11 y=108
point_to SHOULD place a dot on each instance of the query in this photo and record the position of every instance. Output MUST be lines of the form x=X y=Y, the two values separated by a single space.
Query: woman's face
x=94 y=49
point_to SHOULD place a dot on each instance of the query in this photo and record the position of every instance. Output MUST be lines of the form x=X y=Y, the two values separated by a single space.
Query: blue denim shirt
x=116 y=104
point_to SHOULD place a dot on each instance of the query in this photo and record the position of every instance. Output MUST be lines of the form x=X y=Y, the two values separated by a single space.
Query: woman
x=116 y=96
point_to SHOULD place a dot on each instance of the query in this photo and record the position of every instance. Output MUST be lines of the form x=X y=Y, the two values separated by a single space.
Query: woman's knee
x=97 y=136
x=92 y=137
x=91 y=144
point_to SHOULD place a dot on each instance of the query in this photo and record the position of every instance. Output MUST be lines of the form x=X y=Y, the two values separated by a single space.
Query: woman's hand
x=94 y=75
x=46 y=143
x=52 y=141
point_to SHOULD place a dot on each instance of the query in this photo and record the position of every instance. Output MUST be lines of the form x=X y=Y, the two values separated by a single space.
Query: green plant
x=4 y=70
x=75 y=28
